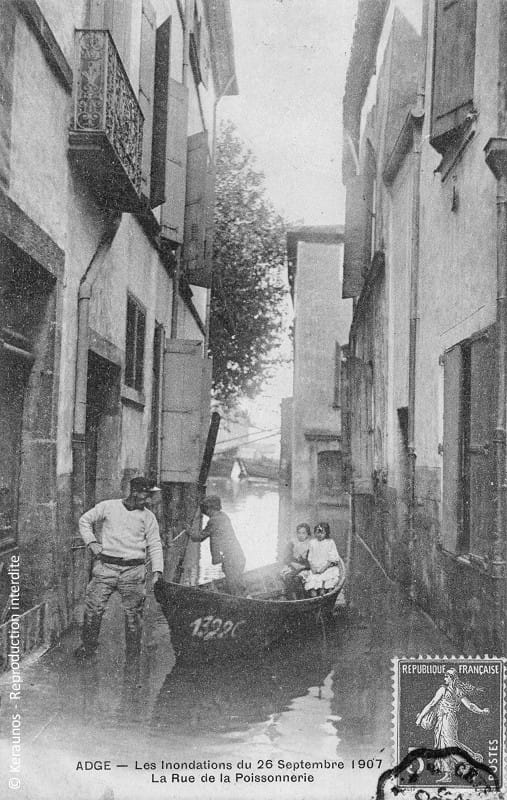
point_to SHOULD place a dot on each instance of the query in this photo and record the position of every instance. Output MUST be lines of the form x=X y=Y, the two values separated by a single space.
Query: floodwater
x=237 y=727
x=253 y=509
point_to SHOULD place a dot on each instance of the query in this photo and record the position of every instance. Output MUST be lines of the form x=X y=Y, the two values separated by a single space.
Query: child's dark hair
x=324 y=528
x=305 y=527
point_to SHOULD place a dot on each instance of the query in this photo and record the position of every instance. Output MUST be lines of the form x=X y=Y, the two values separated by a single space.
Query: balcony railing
x=107 y=127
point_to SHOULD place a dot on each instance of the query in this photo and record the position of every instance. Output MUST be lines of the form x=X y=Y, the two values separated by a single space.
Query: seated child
x=297 y=563
x=326 y=566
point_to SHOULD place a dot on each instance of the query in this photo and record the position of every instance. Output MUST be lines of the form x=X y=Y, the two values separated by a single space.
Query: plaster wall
x=322 y=318
x=457 y=290
x=38 y=155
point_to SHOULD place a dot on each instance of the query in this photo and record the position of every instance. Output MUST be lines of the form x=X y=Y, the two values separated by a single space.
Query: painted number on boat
x=215 y=628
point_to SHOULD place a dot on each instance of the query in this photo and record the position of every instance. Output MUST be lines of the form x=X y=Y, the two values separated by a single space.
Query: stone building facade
x=106 y=187
x=425 y=262
x=312 y=459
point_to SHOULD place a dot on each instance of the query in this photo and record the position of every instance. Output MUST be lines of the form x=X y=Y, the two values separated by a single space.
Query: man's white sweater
x=123 y=533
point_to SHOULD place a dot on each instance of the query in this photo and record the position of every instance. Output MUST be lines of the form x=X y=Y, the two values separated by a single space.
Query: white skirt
x=322 y=580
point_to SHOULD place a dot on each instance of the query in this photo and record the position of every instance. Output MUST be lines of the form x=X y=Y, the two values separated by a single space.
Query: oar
x=207 y=457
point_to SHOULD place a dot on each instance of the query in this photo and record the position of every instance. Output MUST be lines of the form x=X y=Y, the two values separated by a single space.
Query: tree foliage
x=248 y=289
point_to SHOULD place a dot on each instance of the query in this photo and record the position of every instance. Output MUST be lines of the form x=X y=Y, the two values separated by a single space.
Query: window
x=329 y=473
x=134 y=346
x=453 y=70
x=468 y=466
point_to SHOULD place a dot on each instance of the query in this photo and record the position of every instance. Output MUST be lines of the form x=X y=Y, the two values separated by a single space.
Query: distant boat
x=208 y=624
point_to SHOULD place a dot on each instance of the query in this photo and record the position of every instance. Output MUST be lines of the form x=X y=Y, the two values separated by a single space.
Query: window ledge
x=132 y=396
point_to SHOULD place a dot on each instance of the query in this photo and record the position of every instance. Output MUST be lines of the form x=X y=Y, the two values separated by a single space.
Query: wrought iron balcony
x=106 y=133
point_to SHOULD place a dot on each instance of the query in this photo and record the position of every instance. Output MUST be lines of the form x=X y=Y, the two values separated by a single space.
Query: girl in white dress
x=325 y=563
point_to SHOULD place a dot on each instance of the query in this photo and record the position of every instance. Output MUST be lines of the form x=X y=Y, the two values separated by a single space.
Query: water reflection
x=253 y=509
x=237 y=695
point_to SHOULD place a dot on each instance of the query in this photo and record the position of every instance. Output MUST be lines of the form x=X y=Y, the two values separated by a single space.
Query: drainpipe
x=496 y=159
x=80 y=399
x=417 y=120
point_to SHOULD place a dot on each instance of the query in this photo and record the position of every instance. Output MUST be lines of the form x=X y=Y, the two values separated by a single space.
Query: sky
x=291 y=61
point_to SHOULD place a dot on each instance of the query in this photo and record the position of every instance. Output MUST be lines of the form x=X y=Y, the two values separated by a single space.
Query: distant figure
x=224 y=546
x=325 y=563
x=127 y=529
x=296 y=563
x=441 y=715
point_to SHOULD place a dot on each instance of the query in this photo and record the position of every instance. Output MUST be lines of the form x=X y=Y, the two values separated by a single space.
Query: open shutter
x=160 y=108
x=481 y=447
x=204 y=54
x=356 y=221
x=116 y=16
x=451 y=501
x=146 y=83
x=182 y=411
x=197 y=184
x=173 y=210
x=453 y=68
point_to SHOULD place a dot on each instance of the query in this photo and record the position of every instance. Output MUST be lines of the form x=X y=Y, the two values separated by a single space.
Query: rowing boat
x=206 y=623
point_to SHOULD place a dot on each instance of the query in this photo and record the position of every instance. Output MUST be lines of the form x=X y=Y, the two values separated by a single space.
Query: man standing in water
x=126 y=528
x=224 y=546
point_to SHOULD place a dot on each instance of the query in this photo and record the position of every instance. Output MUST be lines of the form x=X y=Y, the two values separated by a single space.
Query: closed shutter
x=453 y=68
x=173 y=210
x=481 y=447
x=451 y=501
x=356 y=221
x=182 y=421
x=146 y=83
x=197 y=184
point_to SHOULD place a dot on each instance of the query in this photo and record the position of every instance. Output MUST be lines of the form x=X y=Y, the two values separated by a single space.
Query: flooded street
x=327 y=699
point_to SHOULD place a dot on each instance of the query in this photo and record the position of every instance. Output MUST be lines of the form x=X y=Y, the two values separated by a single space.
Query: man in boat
x=224 y=546
x=118 y=533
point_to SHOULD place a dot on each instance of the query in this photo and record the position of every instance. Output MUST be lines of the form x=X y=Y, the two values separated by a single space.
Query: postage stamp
x=449 y=727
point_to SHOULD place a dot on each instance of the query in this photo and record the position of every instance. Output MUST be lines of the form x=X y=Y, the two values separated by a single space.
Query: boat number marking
x=213 y=627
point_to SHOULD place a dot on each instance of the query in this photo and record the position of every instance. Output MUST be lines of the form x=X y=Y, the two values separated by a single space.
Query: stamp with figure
x=449 y=725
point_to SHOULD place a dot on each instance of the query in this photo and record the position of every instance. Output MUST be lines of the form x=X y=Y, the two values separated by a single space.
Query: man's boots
x=89 y=635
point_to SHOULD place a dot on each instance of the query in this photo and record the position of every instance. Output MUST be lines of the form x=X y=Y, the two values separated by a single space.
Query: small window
x=134 y=346
x=329 y=473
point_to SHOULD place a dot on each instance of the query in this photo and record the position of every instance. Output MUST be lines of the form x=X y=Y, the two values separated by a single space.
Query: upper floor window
x=134 y=344
x=453 y=70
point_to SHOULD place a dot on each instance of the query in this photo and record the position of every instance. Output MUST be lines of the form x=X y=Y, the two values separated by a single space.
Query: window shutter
x=181 y=411
x=204 y=54
x=115 y=15
x=173 y=210
x=160 y=110
x=354 y=240
x=453 y=68
x=481 y=447
x=146 y=82
x=197 y=185
x=451 y=501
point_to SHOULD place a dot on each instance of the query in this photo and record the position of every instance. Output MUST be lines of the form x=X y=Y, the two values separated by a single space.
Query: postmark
x=449 y=728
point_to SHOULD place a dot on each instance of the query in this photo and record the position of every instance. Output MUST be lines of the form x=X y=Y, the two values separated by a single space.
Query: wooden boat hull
x=207 y=624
